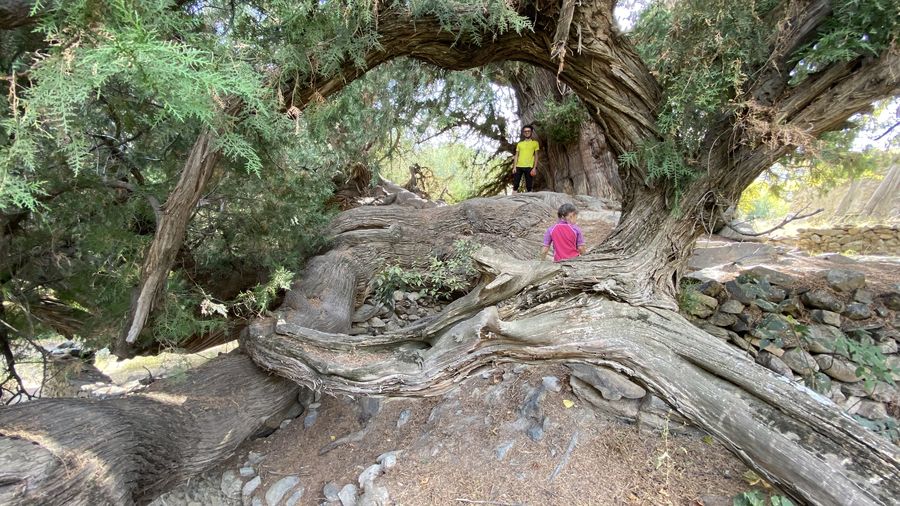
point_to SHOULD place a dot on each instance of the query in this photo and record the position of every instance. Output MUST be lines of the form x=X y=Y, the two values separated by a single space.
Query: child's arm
x=579 y=241
x=547 y=240
x=544 y=252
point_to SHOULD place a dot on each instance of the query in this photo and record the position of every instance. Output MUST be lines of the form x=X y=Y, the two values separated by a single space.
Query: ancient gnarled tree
x=776 y=76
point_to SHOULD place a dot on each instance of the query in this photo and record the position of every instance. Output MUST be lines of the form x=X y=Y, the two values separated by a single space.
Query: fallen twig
x=494 y=503
x=573 y=442
x=784 y=222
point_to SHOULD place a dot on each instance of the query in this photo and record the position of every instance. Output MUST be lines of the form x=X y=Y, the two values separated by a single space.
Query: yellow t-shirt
x=526 y=150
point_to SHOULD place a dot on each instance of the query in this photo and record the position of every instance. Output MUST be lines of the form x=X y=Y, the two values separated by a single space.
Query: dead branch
x=784 y=222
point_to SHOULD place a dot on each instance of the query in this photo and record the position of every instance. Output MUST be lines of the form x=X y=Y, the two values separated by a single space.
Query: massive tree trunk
x=131 y=449
x=529 y=311
x=613 y=307
x=584 y=166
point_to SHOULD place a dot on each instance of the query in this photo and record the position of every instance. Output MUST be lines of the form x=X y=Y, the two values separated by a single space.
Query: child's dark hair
x=565 y=210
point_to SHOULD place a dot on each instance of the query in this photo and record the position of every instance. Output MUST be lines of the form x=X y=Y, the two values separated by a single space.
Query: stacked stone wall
x=880 y=239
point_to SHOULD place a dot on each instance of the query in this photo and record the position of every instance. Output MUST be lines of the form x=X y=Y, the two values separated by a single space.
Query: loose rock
x=844 y=280
x=731 y=306
x=371 y=472
x=403 y=418
x=551 y=383
x=826 y=317
x=822 y=299
x=858 y=311
x=231 y=484
x=251 y=486
x=800 y=361
x=774 y=363
x=837 y=368
x=347 y=495
x=331 y=491
x=281 y=487
x=612 y=385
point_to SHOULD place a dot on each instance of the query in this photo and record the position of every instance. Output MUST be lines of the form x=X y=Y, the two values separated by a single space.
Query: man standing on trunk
x=525 y=161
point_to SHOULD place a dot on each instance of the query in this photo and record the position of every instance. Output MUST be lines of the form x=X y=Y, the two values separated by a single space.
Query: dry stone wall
x=839 y=337
x=880 y=239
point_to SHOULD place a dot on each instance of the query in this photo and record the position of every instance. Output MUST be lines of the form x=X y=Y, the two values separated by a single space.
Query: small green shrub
x=687 y=296
x=444 y=278
x=871 y=362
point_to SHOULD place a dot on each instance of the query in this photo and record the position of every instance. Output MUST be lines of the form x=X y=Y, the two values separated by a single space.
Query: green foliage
x=688 y=301
x=260 y=298
x=870 y=361
x=700 y=51
x=443 y=278
x=855 y=28
x=663 y=161
x=561 y=121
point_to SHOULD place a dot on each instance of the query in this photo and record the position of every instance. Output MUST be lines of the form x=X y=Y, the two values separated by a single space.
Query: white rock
x=347 y=495
x=231 y=484
x=387 y=460
x=281 y=487
x=371 y=472
x=251 y=486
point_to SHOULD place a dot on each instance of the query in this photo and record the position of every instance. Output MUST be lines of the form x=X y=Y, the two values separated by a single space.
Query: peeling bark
x=131 y=449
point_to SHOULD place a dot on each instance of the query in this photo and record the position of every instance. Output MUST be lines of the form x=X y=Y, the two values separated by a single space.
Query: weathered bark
x=128 y=450
x=582 y=167
x=174 y=218
x=528 y=311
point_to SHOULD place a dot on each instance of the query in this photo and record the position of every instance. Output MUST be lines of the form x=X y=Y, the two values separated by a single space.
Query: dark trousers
x=517 y=178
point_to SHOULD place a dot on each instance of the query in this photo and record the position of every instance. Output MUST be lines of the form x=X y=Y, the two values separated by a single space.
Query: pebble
x=331 y=491
x=294 y=499
x=310 y=419
x=256 y=502
x=254 y=458
x=284 y=423
x=251 y=486
x=347 y=495
x=231 y=484
x=404 y=418
x=247 y=472
x=503 y=449
x=387 y=460
x=551 y=383
x=369 y=475
x=281 y=487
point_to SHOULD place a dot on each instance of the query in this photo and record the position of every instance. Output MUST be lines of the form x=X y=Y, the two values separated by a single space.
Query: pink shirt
x=566 y=238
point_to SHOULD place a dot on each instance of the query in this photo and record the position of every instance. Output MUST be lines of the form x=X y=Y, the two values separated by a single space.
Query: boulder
x=766 y=306
x=772 y=276
x=872 y=410
x=858 y=311
x=721 y=319
x=844 y=280
x=719 y=332
x=826 y=317
x=821 y=338
x=612 y=385
x=822 y=299
x=774 y=363
x=778 y=329
x=731 y=306
x=837 y=368
x=800 y=362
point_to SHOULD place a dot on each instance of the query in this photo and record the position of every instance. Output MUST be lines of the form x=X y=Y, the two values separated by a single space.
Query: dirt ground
x=450 y=451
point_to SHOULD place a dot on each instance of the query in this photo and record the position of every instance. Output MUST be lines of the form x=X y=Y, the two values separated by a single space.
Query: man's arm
x=515 y=160
x=534 y=162
x=544 y=252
